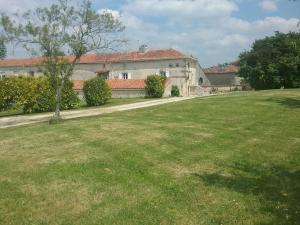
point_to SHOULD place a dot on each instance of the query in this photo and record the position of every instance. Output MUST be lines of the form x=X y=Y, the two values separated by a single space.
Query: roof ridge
x=152 y=54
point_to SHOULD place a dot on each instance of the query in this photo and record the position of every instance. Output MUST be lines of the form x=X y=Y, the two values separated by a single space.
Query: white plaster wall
x=135 y=70
x=128 y=93
x=121 y=94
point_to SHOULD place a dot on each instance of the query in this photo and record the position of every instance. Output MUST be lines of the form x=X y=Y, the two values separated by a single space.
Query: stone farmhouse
x=223 y=77
x=125 y=72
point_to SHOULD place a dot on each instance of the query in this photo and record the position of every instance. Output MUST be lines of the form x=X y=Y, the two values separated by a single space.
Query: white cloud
x=276 y=24
x=203 y=28
x=114 y=13
x=181 y=8
x=13 y=6
x=268 y=5
x=217 y=43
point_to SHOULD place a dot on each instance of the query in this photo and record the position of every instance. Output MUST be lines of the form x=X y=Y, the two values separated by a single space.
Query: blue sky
x=215 y=31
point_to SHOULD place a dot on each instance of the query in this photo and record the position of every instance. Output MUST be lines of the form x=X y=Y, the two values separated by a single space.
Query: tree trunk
x=58 y=100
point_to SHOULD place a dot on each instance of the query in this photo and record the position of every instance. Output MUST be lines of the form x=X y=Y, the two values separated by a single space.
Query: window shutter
x=129 y=75
x=167 y=73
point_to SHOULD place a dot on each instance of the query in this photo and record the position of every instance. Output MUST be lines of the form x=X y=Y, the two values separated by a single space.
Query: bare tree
x=61 y=34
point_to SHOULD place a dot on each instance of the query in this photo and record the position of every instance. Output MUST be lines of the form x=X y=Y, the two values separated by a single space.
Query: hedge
x=34 y=94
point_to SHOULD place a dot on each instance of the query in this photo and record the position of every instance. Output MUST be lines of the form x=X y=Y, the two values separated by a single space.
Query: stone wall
x=121 y=94
x=223 y=79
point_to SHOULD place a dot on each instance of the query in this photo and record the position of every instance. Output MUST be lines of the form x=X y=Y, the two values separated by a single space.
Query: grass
x=119 y=101
x=111 y=102
x=220 y=160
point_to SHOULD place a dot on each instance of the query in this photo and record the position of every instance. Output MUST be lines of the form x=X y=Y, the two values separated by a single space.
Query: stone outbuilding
x=223 y=77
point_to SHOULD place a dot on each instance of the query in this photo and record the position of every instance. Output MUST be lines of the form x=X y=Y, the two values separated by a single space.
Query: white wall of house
x=182 y=72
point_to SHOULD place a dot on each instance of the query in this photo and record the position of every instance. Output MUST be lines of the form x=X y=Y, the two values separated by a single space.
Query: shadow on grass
x=277 y=188
x=288 y=102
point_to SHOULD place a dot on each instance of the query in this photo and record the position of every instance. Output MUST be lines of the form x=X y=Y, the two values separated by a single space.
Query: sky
x=214 y=31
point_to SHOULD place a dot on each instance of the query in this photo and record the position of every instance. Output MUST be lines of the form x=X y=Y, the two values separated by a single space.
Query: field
x=231 y=159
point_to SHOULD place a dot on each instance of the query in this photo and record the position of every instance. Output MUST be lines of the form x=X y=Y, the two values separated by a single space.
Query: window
x=163 y=73
x=200 y=81
x=125 y=76
x=170 y=65
x=188 y=65
x=177 y=64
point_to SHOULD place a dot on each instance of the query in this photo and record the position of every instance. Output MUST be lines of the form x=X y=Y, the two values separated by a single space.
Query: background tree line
x=273 y=62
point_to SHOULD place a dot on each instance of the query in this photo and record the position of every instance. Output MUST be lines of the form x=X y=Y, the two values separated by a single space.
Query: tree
x=273 y=62
x=62 y=34
x=2 y=49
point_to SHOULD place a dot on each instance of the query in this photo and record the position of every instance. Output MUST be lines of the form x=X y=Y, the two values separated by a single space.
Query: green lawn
x=231 y=159
x=111 y=102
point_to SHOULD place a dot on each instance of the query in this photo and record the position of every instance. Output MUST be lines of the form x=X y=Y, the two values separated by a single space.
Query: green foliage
x=34 y=94
x=155 y=86
x=17 y=92
x=3 y=50
x=96 y=91
x=45 y=96
x=175 y=91
x=69 y=99
x=273 y=62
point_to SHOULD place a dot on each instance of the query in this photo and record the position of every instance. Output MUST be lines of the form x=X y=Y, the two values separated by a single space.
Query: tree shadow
x=277 y=188
x=288 y=102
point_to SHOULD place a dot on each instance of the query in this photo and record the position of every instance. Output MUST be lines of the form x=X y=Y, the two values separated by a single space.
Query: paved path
x=13 y=121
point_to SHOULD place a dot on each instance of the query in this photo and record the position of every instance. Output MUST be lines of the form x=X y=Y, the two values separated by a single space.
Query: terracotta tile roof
x=231 y=68
x=105 y=58
x=126 y=84
x=116 y=84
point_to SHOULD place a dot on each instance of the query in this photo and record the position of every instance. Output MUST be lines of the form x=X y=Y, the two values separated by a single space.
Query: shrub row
x=38 y=95
x=34 y=94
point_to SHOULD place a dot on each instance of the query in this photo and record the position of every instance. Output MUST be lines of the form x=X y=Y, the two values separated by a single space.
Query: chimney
x=143 y=48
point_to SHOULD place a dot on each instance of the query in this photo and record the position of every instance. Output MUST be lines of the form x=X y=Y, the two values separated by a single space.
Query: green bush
x=175 y=91
x=96 y=91
x=16 y=92
x=69 y=98
x=6 y=94
x=34 y=94
x=154 y=86
x=45 y=97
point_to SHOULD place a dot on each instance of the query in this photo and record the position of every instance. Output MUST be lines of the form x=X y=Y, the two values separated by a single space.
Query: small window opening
x=200 y=81
x=125 y=76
